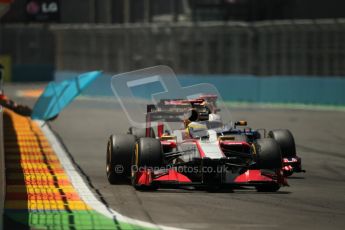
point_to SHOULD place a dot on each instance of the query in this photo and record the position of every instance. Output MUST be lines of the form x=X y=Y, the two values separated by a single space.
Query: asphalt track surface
x=314 y=200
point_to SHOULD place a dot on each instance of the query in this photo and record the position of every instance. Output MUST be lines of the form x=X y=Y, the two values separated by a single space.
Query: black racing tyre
x=285 y=140
x=148 y=154
x=139 y=133
x=119 y=157
x=268 y=187
x=267 y=154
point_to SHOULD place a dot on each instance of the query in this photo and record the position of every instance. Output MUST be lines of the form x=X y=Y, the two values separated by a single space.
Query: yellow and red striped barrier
x=34 y=176
x=39 y=193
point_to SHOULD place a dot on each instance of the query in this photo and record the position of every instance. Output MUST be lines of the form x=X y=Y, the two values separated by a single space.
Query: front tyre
x=267 y=154
x=148 y=154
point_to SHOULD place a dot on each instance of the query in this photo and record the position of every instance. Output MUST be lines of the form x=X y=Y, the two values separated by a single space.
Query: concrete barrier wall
x=2 y=171
x=31 y=50
x=246 y=88
x=292 y=47
x=299 y=47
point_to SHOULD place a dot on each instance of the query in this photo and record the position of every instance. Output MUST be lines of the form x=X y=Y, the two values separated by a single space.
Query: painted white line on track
x=83 y=190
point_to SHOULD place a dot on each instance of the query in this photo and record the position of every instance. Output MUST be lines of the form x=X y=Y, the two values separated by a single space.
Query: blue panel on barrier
x=247 y=88
x=57 y=96
x=231 y=88
x=309 y=90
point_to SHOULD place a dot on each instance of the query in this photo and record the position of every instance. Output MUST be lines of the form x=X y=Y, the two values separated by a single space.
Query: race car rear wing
x=175 y=113
x=166 y=116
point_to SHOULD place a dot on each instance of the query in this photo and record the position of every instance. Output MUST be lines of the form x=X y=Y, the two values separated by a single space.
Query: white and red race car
x=201 y=153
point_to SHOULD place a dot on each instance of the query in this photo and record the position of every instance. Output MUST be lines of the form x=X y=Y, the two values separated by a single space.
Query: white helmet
x=214 y=117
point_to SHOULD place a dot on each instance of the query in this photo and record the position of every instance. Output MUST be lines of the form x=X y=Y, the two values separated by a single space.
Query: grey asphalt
x=314 y=200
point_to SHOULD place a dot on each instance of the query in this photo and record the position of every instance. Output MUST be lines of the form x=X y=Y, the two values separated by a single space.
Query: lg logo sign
x=46 y=7
x=50 y=7
x=43 y=10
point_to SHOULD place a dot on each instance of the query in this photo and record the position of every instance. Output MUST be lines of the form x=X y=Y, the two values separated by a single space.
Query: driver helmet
x=214 y=117
x=196 y=127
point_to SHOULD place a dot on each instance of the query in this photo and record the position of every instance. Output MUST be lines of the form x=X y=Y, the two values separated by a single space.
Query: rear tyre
x=148 y=154
x=120 y=149
x=139 y=133
x=267 y=153
x=285 y=140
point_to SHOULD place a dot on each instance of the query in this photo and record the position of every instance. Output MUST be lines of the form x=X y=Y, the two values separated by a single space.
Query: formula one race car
x=204 y=154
